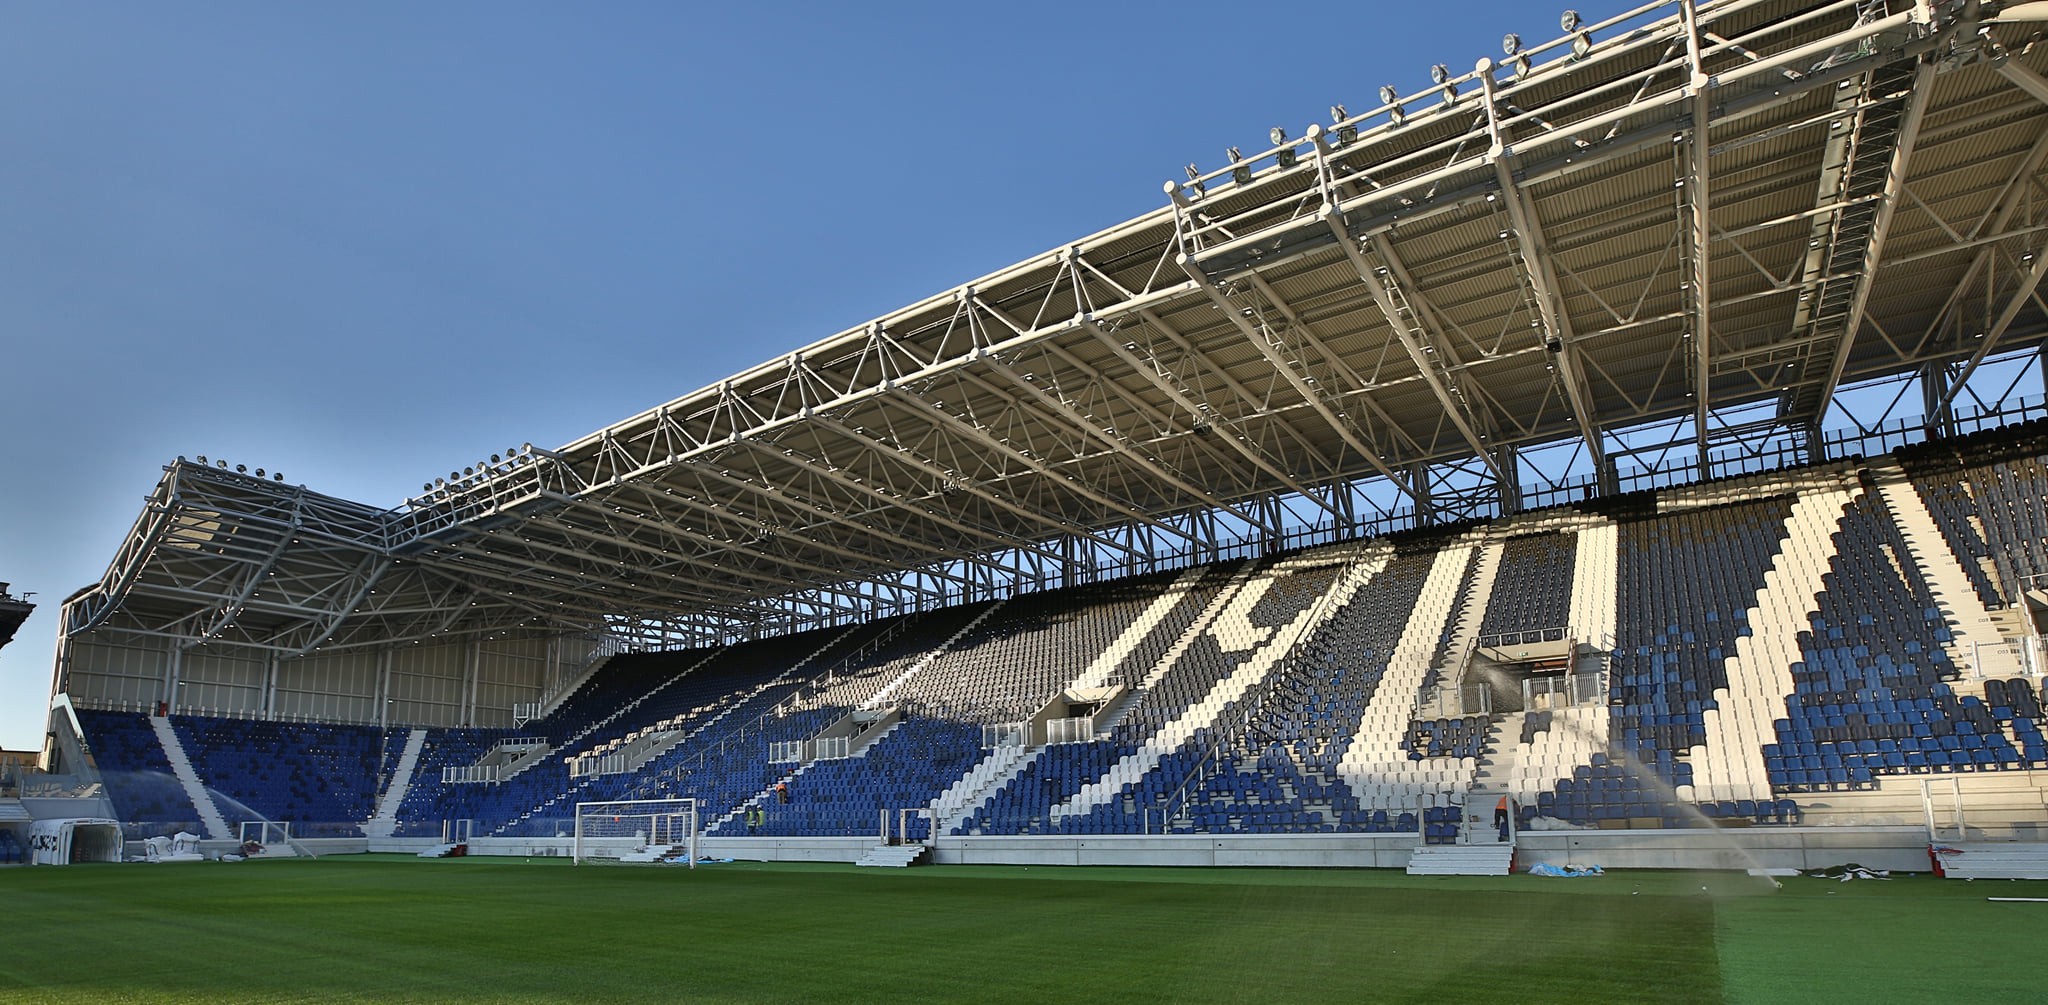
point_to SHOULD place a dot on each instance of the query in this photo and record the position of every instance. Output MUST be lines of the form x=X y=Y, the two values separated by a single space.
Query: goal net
x=636 y=830
x=268 y=837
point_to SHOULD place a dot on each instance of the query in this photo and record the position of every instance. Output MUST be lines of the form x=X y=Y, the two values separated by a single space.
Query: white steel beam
x=1911 y=117
x=1260 y=340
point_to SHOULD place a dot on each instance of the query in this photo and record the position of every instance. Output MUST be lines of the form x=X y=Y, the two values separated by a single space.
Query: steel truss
x=1656 y=247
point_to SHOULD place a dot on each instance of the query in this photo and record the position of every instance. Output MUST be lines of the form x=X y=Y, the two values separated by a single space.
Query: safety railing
x=1005 y=734
x=1078 y=729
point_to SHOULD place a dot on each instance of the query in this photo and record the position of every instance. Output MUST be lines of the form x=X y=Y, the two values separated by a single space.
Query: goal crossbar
x=628 y=830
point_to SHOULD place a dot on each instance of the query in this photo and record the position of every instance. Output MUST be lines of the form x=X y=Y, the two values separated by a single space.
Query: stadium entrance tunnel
x=63 y=842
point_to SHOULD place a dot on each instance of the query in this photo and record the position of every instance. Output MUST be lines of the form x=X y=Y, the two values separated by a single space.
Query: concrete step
x=893 y=856
x=658 y=853
x=1463 y=860
x=1985 y=860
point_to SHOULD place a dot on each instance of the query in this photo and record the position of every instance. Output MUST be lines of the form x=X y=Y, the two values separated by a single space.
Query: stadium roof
x=1664 y=215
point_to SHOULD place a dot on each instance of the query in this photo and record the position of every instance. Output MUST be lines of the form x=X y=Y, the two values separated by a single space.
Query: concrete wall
x=1901 y=848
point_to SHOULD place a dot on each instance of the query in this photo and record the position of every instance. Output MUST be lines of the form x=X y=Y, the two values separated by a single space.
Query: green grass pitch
x=388 y=928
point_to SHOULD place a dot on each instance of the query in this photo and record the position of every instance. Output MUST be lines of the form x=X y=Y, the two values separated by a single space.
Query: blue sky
x=363 y=244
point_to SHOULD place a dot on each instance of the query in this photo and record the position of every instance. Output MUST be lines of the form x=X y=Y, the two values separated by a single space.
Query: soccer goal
x=636 y=830
x=269 y=837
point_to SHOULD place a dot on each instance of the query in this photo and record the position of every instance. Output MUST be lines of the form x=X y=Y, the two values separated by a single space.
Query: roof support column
x=1180 y=398
x=1412 y=330
x=1934 y=406
x=2029 y=282
x=1534 y=252
x=979 y=435
x=1694 y=198
x=1123 y=447
x=904 y=456
x=1258 y=339
x=1892 y=186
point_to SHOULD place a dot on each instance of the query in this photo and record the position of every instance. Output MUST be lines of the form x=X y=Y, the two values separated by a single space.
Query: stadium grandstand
x=1638 y=435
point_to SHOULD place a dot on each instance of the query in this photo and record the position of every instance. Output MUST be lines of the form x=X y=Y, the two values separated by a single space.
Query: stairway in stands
x=955 y=806
x=181 y=766
x=1975 y=635
x=1730 y=763
x=1103 y=668
x=385 y=823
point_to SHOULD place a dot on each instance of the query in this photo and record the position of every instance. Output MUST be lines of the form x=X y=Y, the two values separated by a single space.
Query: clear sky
x=363 y=244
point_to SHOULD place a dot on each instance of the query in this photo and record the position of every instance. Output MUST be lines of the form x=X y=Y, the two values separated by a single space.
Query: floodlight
x=494 y=458
x=1240 y=172
x=1521 y=64
x=1338 y=113
x=1439 y=73
x=1582 y=43
x=1510 y=44
x=277 y=476
x=259 y=472
x=1569 y=21
x=241 y=469
x=202 y=458
x=1388 y=95
x=1278 y=135
x=223 y=465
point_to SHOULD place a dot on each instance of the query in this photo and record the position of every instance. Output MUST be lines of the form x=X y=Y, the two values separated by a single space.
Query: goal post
x=636 y=830
x=275 y=836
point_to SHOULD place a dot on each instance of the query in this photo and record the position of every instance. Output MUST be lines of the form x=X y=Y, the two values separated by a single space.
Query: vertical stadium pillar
x=384 y=696
x=174 y=677
x=1935 y=409
x=1425 y=509
x=269 y=699
x=1606 y=476
x=1510 y=483
x=472 y=662
x=1813 y=447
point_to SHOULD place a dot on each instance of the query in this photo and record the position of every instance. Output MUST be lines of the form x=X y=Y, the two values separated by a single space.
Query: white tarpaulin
x=180 y=847
x=62 y=842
